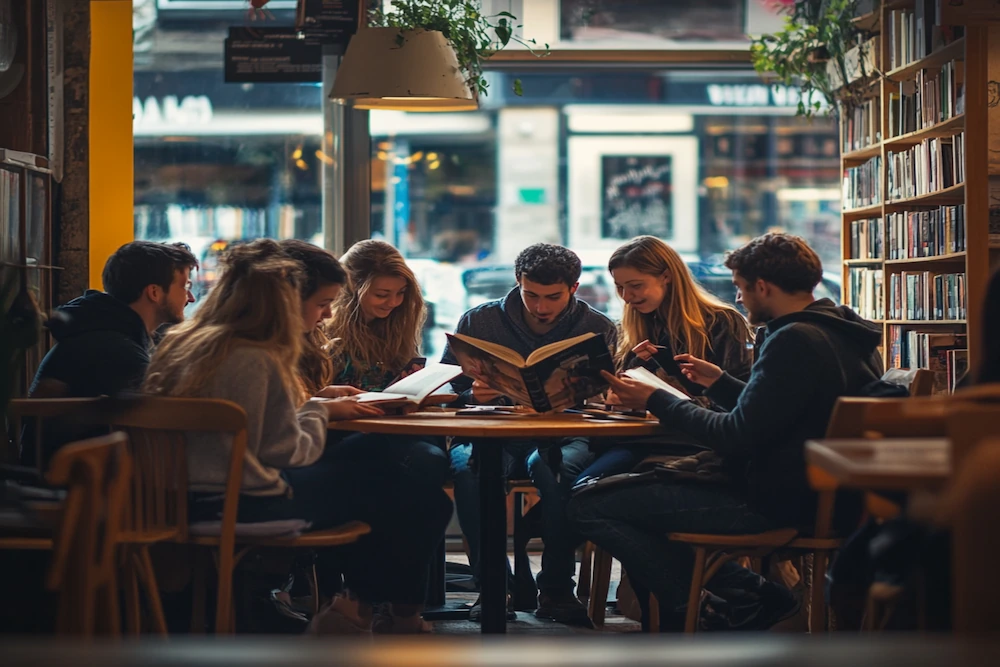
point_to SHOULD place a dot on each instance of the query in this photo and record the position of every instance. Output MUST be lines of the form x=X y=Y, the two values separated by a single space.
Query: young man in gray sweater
x=541 y=309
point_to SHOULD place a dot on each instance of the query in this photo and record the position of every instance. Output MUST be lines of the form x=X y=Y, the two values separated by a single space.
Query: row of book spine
x=915 y=33
x=930 y=166
x=865 y=293
x=867 y=238
x=924 y=295
x=934 y=97
x=861 y=126
x=862 y=185
x=946 y=354
x=939 y=231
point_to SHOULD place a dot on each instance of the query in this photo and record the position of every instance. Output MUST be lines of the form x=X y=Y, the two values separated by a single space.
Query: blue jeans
x=615 y=461
x=522 y=458
x=631 y=523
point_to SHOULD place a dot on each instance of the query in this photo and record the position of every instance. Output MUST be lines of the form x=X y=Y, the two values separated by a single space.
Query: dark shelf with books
x=916 y=246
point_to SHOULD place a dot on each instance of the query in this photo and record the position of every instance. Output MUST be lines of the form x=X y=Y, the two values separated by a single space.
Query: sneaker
x=562 y=607
x=384 y=623
x=476 y=611
x=331 y=620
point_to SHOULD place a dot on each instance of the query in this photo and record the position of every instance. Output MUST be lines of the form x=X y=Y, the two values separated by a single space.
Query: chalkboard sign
x=272 y=55
x=331 y=22
x=637 y=196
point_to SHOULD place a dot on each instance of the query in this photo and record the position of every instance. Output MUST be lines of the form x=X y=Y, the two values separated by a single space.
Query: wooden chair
x=157 y=428
x=97 y=473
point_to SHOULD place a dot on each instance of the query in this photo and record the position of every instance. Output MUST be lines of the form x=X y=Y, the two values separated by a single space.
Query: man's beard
x=169 y=317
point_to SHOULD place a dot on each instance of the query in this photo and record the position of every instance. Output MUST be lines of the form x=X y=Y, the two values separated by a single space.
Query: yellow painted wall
x=111 y=182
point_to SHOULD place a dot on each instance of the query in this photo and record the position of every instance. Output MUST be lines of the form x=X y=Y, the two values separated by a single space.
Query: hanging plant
x=474 y=36
x=819 y=49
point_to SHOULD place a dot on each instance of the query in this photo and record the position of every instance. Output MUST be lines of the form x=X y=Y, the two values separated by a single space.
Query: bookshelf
x=915 y=219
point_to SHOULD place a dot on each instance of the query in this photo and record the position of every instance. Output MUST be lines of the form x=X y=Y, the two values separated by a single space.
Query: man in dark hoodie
x=813 y=352
x=104 y=339
x=542 y=309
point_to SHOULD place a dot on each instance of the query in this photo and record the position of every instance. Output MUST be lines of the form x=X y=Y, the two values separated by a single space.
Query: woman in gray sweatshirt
x=243 y=345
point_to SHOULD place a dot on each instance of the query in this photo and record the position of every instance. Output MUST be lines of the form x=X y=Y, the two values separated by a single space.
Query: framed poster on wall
x=621 y=187
x=636 y=196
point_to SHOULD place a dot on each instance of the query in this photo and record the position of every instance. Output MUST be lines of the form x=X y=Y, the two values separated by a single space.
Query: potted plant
x=822 y=49
x=473 y=35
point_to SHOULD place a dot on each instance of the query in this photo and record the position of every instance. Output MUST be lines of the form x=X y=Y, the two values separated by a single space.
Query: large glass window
x=704 y=159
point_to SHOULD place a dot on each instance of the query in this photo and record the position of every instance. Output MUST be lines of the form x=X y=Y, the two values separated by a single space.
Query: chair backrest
x=919 y=381
x=157 y=428
x=58 y=420
x=969 y=424
x=97 y=473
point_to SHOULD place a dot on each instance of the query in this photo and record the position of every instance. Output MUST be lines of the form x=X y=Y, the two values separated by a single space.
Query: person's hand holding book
x=698 y=370
x=338 y=391
x=631 y=393
x=483 y=393
x=347 y=407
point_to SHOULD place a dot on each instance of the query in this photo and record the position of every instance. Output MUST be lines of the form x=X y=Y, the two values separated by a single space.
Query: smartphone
x=419 y=362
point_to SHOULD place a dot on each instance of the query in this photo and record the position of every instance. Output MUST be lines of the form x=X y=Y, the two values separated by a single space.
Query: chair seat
x=149 y=536
x=332 y=537
x=16 y=543
x=520 y=486
x=772 y=538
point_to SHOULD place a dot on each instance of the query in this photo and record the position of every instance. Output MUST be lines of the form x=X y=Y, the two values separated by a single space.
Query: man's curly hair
x=783 y=260
x=548 y=264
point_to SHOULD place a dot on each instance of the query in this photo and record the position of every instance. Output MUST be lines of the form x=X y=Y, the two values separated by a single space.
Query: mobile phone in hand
x=413 y=365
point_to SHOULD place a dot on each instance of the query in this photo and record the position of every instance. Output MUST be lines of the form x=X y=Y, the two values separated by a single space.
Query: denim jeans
x=631 y=522
x=422 y=459
x=408 y=520
x=533 y=459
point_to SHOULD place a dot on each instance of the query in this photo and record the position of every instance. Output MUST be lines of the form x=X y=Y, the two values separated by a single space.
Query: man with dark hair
x=541 y=309
x=813 y=352
x=103 y=339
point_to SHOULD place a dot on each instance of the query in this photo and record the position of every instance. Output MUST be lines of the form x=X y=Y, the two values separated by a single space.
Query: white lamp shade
x=421 y=74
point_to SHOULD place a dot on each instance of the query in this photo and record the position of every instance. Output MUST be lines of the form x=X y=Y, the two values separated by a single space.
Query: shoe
x=331 y=620
x=384 y=623
x=756 y=611
x=562 y=607
x=476 y=611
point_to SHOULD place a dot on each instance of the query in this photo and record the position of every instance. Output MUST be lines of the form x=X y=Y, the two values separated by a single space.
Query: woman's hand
x=632 y=394
x=645 y=350
x=698 y=370
x=483 y=393
x=611 y=398
x=338 y=391
x=347 y=407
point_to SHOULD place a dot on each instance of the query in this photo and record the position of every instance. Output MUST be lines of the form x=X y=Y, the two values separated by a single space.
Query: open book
x=417 y=388
x=649 y=378
x=553 y=377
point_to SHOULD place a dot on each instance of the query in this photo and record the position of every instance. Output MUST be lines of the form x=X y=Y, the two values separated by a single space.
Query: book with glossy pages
x=647 y=377
x=418 y=388
x=553 y=377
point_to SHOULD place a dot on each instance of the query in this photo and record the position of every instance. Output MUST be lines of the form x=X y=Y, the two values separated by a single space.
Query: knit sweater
x=281 y=433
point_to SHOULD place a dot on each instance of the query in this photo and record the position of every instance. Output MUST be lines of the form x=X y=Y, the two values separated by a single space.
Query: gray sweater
x=280 y=432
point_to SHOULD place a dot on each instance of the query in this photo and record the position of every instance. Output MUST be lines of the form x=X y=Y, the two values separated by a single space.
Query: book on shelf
x=418 y=388
x=924 y=295
x=862 y=184
x=930 y=166
x=867 y=239
x=860 y=126
x=932 y=351
x=928 y=233
x=553 y=377
x=864 y=293
x=932 y=97
x=916 y=32
x=957 y=362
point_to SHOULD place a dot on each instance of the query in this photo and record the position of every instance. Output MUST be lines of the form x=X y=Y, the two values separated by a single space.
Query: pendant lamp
x=414 y=70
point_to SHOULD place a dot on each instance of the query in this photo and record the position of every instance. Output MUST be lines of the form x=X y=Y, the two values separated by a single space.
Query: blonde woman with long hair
x=668 y=314
x=376 y=323
x=244 y=345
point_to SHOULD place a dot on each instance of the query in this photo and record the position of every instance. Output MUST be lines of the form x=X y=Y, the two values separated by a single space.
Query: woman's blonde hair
x=255 y=303
x=320 y=269
x=688 y=312
x=393 y=340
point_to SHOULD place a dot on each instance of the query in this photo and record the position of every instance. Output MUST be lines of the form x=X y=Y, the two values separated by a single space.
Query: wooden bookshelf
x=939 y=207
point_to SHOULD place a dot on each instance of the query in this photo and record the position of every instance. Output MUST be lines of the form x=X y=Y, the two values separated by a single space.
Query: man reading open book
x=541 y=309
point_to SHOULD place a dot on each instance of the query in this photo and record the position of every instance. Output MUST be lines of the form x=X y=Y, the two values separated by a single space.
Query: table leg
x=492 y=538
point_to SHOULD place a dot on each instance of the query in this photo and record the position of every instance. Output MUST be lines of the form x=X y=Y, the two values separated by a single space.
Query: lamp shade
x=419 y=74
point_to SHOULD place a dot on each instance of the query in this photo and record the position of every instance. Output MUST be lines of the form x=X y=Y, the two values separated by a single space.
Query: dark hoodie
x=102 y=348
x=502 y=322
x=808 y=359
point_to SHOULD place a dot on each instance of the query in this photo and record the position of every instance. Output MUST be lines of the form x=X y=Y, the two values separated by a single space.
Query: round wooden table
x=487 y=434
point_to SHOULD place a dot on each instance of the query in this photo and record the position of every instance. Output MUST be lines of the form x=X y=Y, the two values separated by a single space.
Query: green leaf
x=518 y=88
